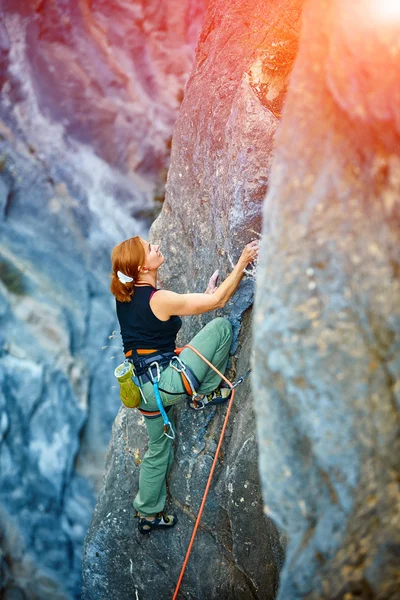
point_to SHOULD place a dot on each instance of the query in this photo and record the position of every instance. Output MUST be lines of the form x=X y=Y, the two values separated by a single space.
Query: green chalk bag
x=129 y=392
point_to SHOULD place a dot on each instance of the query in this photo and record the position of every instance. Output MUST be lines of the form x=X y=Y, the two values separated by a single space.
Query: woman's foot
x=160 y=521
x=218 y=396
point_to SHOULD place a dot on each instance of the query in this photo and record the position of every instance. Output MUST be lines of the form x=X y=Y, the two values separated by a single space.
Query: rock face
x=111 y=72
x=55 y=317
x=220 y=164
x=83 y=151
x=327 y=318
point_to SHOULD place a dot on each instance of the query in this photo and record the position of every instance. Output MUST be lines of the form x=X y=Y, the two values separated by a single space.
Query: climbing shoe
x=218 y=396
x=160 y=521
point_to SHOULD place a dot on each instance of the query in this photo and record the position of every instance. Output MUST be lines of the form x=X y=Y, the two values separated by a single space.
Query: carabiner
x=171 y=437
x=197 y=404
x=183 y=367
x=154 y=378
x=241 y=379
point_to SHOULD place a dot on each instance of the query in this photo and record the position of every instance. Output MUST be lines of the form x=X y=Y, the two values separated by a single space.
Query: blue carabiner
x=155 y=379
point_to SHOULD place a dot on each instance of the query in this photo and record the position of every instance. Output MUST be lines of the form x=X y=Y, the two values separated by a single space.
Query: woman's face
x=154 y=257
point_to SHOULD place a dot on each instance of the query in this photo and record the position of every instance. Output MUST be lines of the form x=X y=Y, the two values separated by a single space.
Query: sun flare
x=385 y=10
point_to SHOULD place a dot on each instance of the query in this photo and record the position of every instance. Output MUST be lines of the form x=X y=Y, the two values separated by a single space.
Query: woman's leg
x=214 y=342
x=156 y=463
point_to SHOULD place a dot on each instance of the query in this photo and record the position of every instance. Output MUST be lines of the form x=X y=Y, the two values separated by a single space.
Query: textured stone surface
x=45 y=376
x=83 y=151
x=235 y=553
x=327 y=319
x=221 y=155
x=111 y=72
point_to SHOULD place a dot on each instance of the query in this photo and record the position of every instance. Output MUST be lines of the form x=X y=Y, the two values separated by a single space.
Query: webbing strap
x=186 y=384
x=167 y=422
x=153 y=414
x=155 y=379
x=189 y=379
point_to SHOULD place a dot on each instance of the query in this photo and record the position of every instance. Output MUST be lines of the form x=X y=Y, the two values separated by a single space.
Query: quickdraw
x=188 y=377
x=155 y=378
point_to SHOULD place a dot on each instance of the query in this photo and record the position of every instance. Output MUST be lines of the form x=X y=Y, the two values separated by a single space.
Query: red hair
x=126 y=257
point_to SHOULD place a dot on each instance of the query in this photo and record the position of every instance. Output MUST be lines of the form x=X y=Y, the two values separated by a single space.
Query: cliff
x=326 y=324
x=85 y=120
x=220 y=165
x=321 y=419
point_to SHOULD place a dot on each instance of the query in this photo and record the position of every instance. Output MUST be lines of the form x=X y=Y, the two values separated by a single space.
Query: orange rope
x=196 y=526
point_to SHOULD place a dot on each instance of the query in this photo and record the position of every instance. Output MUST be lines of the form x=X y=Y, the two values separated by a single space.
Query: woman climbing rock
x=149 y=326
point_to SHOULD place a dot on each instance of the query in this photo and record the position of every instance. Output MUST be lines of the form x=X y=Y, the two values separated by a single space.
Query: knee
x=159 y=448
x=224 y=326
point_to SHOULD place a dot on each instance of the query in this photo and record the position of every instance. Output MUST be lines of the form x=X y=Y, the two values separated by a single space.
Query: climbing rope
x=196 y=526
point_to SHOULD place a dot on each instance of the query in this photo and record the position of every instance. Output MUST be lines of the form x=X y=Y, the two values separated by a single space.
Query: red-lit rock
x=327 y=315
x=112 y=72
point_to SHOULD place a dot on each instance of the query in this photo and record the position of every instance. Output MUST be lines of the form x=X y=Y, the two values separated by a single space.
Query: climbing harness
x=146 y=365
x=196 y=526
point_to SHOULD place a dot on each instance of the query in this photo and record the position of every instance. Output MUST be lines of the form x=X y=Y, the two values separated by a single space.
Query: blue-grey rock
x=327 y=320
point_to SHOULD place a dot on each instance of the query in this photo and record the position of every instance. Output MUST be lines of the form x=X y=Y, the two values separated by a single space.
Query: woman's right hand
x=249 y=253
x=164 y=304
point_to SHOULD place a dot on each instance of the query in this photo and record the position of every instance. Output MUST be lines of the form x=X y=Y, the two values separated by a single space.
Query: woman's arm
x=164 y=304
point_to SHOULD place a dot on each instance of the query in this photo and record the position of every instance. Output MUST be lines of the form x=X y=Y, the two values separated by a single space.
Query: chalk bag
x=129 y=392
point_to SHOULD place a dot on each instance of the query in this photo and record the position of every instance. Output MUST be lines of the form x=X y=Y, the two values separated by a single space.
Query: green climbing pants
x=214 y=342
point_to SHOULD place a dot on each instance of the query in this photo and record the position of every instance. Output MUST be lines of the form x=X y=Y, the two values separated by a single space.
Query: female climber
x=149 y=326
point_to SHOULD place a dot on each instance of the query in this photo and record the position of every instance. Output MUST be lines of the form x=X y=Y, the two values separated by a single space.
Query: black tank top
x=140 y=328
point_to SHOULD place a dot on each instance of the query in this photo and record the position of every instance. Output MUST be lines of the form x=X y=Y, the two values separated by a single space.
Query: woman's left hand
x=212 y=284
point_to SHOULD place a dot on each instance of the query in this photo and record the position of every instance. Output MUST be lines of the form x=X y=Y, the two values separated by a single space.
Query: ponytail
x=127 y=257
x=122 y=291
